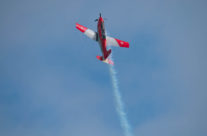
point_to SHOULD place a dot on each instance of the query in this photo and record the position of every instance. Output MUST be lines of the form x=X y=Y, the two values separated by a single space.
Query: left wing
x=116 y=42
x=88 y=32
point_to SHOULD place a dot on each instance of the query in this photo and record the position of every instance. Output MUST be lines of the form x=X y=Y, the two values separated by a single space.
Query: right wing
x=88 y=32
x=110 y=41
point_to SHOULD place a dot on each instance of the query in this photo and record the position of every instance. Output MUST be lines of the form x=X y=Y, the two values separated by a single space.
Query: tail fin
x=108 y=53
x=108 y=61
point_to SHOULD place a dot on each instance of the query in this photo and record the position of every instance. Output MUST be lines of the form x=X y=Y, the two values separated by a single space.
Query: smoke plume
x=119 y=102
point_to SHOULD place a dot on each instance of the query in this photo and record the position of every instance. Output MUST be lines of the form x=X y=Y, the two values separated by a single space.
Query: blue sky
x=52 y=84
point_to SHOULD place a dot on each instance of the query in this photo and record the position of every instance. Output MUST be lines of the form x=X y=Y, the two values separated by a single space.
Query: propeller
x=100 y=16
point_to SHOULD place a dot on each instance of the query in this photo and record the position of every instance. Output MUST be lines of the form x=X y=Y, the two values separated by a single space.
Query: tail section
x=108 y=53
x=99 y=58
x=108 y=61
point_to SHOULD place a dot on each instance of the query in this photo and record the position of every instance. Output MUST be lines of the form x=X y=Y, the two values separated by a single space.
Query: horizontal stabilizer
x=108 y=61
x=108 y=53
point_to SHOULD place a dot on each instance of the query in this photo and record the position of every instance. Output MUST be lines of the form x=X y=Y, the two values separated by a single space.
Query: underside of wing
x=110 y=41
x=88 y=32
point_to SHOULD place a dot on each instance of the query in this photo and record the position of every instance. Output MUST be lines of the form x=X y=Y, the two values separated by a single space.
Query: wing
x=116 y=42
x=88 y=32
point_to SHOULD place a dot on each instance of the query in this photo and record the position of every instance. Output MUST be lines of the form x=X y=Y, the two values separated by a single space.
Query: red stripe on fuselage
x=102 y=37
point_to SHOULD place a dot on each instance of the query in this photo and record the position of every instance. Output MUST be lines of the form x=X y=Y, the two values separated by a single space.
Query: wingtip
x=81 y=28
x=122 y=43
x=126 y=45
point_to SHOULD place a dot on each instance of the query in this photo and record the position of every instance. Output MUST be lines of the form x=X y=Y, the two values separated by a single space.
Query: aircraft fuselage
x=102 y=37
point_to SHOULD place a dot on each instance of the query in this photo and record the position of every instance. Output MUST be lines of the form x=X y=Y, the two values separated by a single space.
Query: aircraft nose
x=101 y=19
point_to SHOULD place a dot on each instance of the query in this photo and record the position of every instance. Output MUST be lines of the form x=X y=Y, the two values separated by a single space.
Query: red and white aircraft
x=100 y=36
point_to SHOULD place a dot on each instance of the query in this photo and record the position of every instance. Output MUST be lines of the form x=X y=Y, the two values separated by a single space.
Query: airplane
x=104 y=40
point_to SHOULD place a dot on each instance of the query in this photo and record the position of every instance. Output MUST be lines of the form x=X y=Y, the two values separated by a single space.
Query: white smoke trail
x=119 y=103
